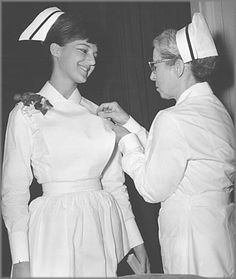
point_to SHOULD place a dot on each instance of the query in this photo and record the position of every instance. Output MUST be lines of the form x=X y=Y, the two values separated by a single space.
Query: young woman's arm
x=16 y=179
x=113 y=182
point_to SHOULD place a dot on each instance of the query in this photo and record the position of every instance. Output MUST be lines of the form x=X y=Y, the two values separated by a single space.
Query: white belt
x=57 y=188
x=210 y=198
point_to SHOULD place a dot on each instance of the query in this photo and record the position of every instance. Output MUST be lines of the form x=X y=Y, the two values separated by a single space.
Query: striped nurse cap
x=38 y=29
x=195 y=41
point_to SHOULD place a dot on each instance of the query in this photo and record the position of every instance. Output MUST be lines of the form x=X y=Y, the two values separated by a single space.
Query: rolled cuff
x=19 y=247
x=132 y=125
x=129 y=142
x=134 y=235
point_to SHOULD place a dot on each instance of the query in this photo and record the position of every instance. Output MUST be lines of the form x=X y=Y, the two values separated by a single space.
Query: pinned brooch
x=38 y=102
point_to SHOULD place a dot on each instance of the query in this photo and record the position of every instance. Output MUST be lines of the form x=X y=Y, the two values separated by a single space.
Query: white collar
x=198 y=89
x=51 y=93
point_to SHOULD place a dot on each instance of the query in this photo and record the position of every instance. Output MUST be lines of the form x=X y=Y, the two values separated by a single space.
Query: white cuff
x=19 y=247
x=134 y=235
x=129 y=142
x=132 y=125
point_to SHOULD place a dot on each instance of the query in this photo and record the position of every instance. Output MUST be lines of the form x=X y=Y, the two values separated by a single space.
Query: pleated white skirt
x=80 y=234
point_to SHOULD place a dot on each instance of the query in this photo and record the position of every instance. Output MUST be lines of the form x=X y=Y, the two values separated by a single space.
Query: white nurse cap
x=195 y=41
x=38 y=29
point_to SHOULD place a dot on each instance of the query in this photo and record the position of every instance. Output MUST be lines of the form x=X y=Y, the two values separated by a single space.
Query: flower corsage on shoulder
x=33 y=102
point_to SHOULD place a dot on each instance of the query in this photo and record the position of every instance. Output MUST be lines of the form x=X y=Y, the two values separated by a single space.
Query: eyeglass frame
x=152 y=64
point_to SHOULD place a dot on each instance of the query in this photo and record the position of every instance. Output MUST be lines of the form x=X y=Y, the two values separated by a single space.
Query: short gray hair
x=165 y=43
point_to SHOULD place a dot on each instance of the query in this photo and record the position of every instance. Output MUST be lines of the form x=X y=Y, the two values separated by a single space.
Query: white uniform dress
x=188 y=165
x=83 y=224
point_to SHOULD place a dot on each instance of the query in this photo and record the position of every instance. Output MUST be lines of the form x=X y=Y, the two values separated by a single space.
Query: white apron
x=83 y=225
x=75 y=230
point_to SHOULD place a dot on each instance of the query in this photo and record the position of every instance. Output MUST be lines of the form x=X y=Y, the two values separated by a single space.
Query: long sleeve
x=134 y=127
x=158 y=170
x=16 y=179
x=113 y=181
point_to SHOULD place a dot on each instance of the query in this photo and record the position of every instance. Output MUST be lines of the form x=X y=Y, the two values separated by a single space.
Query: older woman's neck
x=186 y=82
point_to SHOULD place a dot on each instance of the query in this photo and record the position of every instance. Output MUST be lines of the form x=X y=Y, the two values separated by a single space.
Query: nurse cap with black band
x=39 y=27
x=194 y=41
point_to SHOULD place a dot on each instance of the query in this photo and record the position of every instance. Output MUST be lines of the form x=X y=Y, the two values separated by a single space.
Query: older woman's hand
x=120 y=132
x=113 y=111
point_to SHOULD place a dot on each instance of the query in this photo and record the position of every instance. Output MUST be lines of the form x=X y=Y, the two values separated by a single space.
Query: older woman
x=187 y=162
x=83 y=224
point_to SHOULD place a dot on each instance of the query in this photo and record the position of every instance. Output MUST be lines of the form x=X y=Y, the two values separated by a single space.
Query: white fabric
x=200 y=38
x=42 y=32
x=137 y=129
x=189 y=165
x=83 y=224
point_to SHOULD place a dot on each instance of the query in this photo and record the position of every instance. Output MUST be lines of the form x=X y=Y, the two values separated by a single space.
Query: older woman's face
x=77 y=60
x=163 y=76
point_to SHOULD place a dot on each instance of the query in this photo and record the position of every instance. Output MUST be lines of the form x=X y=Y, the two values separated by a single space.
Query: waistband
x=210 y=198
x=57 y=188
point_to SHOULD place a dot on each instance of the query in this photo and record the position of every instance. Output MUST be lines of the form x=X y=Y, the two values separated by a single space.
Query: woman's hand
x=120 y=132
x=21 y=269
x=141 y=254
x=113 y=111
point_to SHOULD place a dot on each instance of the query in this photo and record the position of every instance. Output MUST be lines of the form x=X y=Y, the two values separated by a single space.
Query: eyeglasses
x=152 y=64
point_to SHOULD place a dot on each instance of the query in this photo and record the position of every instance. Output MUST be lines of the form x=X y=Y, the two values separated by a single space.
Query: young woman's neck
x=64 y=86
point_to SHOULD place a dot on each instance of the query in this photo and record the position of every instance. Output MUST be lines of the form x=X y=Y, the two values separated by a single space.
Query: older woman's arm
x=115 y=112
x=158 y=170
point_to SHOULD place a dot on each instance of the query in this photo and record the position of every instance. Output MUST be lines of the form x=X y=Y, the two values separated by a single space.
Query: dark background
x=122 y=74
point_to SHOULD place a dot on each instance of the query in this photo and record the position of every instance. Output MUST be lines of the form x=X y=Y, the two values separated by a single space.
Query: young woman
x=83 y=224
x=188 y=160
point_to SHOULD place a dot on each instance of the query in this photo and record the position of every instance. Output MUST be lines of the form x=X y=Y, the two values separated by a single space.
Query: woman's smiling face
x=76 y=60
